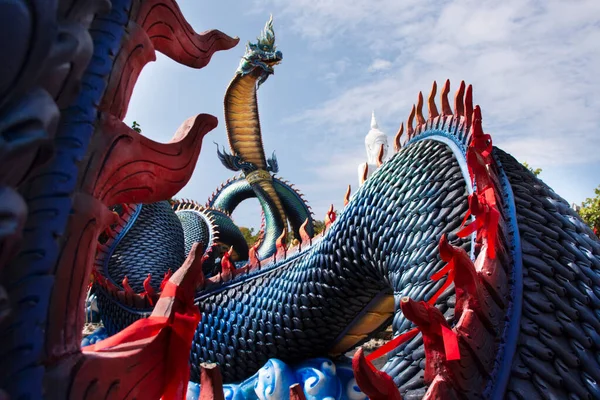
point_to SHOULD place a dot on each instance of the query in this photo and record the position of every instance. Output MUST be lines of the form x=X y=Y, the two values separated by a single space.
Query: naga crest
x=262 y=55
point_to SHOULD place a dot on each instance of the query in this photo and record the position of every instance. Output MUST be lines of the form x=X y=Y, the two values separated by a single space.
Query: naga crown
x=267 y=36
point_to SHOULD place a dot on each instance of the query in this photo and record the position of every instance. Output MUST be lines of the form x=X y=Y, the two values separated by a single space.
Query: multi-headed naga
x=489 y=279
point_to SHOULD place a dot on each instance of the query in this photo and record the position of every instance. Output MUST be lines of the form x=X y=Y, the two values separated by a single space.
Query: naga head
x=261 y=56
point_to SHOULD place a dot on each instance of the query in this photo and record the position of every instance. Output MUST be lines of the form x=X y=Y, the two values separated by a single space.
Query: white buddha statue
x=374 y=140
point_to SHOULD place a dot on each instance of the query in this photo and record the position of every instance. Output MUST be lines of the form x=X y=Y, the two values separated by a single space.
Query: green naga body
x=244 y=133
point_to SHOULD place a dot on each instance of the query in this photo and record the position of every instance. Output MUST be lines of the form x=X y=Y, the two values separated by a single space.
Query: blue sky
x=534 y=66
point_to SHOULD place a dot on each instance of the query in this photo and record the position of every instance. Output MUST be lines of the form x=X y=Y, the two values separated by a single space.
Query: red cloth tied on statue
x=487 y=217
x=480 y=141
x=478 y=169
x=182 y=324
x=483 y=145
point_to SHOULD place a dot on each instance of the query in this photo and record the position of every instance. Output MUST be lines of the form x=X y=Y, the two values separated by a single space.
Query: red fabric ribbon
x=392 y=344
x=447 y=270
x=450 y=344
x=182 y=324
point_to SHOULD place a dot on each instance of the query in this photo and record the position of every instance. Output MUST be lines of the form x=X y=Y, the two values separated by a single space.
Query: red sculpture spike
x=459 y=103
x=304 y=236
x=433 y=111
x=365 y=174
x=444 y=98
x=420 y=118
x=126 y=287
x=347 y=196
x=254 y=262
x=149 y=291
x=397 y=138
x=441 y=344
x=469 y=105
x=166 y=278
x=377 y=385
x=409 y=122
x=380 y=155
x=227 y=267
x=329 y=218
x=280 y=246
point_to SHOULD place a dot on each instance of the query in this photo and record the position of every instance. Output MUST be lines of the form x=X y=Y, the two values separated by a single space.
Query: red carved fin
x=159 y=25
x=377 y=385
x=136 y=52
x=173 y=36
x=126 y=167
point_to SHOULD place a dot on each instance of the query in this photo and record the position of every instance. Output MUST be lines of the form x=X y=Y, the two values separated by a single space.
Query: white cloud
x=331 y=72
x=533 y=64
x=379 y=65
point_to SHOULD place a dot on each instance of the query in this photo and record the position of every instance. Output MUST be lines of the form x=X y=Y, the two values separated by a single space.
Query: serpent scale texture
x=385 y=240
x=147 y=249
x=194 y=227
x=115 y=317
x=558 y=352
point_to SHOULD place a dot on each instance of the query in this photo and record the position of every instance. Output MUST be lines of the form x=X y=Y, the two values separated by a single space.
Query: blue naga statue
x=490 y=281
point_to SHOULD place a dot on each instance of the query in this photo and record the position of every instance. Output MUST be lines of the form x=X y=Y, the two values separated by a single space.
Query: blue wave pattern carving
x=321 y=379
